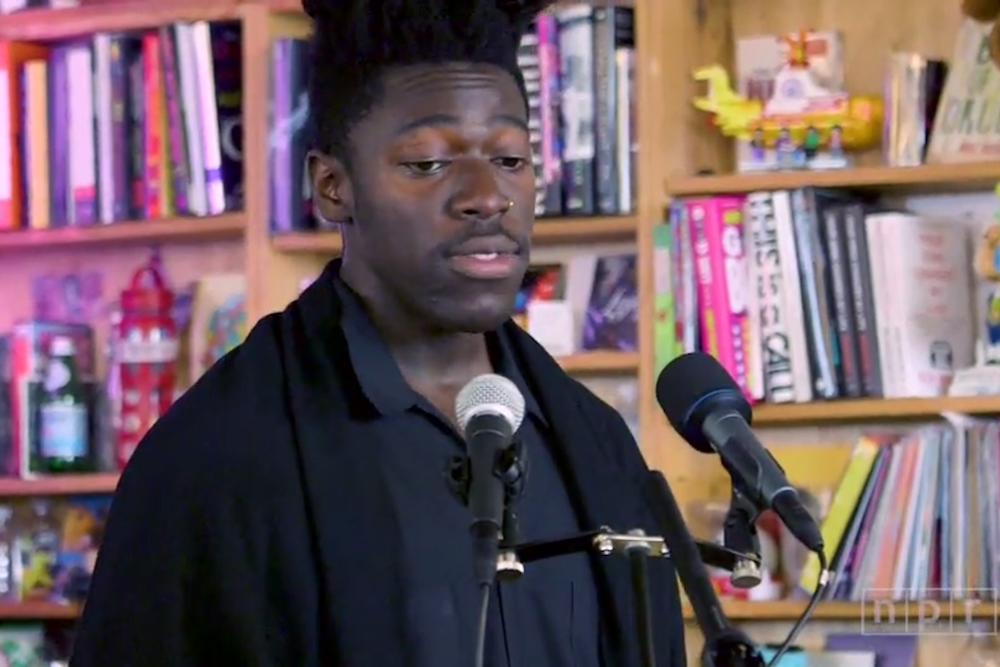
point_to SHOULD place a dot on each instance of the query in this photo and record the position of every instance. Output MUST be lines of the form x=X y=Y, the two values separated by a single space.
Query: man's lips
x=486 y=245
x=485 y=265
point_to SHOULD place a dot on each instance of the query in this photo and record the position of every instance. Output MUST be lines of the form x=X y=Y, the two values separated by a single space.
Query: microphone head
x=690 y=388
x=490 y=394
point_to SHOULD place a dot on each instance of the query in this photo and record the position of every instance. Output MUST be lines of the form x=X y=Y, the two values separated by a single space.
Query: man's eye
x=426 y=167
x=510 y=163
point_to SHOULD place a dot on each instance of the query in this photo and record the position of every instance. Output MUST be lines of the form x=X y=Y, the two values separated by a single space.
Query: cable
x=484 y=612
x=824 y=580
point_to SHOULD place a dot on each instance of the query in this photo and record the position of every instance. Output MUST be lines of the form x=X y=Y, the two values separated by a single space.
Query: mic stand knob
x=513 y=470
x=740 y=534
x=509 y=565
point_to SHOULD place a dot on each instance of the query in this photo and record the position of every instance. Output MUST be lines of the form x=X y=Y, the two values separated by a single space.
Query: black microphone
x=490 y=408
x=706 y=407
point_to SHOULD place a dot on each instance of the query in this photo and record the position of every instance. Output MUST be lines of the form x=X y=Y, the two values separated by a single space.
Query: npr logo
x=932 y=612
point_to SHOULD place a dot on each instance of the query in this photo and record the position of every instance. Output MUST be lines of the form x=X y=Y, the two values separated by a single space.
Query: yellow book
x=845 y=500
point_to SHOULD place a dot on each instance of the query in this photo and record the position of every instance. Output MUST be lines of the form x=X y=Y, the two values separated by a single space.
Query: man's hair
x=355 y=42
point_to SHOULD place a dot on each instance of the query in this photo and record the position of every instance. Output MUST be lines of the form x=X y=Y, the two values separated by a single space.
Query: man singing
x=291 y=510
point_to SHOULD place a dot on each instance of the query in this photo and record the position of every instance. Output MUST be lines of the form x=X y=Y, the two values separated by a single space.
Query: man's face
x=440 y=195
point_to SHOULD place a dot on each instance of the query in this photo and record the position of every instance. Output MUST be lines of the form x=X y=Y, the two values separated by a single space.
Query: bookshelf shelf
x=601 y=362
x=144 y=231
x=285 y=6
x=790 y=610
x=38 y=611
x=62 y=485
x=52 y=24
x=547 y=232
x=939 y=179
x=318 y=243
x=872 y=409
x=579 y=231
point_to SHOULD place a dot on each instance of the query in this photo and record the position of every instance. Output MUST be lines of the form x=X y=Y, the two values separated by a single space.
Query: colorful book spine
x=721 y=269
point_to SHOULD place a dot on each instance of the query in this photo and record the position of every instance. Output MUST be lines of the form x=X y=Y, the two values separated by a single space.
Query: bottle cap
x=61 y=347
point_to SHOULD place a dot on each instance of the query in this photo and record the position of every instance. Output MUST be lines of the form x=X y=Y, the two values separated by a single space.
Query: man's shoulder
x=232 y=422
x=241 y=385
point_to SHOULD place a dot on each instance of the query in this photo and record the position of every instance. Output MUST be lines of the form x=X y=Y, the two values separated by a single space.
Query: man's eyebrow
x=446 y=120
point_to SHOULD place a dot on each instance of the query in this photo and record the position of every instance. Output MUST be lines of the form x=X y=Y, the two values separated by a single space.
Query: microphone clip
x=739 y=533
x=511 y=468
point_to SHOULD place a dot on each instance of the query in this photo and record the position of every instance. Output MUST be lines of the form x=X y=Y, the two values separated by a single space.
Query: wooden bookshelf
x=189 y=230
x=38 y=611
x=677 y=144
x=585 y=231
x=790 y=610
x=872 y=409
x=600 y=362
x=548 y=231
x=52 y=24
x=59 y=485
x=928 y=179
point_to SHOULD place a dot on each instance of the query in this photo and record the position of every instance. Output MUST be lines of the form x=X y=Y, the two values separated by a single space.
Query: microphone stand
x=639 y=547
x=725 y=646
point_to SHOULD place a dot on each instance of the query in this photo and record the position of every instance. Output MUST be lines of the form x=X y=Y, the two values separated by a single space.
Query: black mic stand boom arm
x=639 y=547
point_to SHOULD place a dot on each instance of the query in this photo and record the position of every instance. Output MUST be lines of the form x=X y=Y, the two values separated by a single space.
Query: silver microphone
x=489 y=409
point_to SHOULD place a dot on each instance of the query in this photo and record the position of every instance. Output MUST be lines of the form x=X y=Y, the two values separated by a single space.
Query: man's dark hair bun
x=355 y=41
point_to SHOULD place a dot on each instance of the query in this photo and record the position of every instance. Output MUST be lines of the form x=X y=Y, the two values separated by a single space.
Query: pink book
x=723 y=281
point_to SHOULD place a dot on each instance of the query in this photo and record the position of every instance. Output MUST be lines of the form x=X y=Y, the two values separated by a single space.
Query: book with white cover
x=924 y=301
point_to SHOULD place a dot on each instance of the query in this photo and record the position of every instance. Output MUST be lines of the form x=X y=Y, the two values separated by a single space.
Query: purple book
x=612 y=319
x=177 y=138
x=227 y=57
x=58 y=137
x=891 y=650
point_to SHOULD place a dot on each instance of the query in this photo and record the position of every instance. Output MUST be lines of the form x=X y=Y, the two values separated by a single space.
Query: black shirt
x=550 y=616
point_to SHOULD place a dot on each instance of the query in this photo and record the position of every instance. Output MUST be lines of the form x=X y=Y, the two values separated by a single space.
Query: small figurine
x=812 y=143
x=758 y=150
x=806 y=121
x=836 y=142
x=785 y=149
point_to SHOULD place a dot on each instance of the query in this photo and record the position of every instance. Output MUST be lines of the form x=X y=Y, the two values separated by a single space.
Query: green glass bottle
x=63 y=419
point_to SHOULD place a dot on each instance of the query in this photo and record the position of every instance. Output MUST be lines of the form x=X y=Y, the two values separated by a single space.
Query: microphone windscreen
x=686 y=385
x=490 y=394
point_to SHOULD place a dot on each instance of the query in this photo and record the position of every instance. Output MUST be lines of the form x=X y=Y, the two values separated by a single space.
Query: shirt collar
x=380 y=378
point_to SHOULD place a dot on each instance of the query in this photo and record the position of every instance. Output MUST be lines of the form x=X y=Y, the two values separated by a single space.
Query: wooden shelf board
x=317 y=243
x=59 y=485
x=54 y=24
x=924 y=179
x=548 y=231
x=790 y=610
x=38 y=611
x=230 y=225
x=572 y=231
x=872 y=409
x=286 y=6
x=600 y=362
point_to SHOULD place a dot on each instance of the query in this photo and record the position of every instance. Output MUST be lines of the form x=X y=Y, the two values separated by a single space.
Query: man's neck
x=422 y=354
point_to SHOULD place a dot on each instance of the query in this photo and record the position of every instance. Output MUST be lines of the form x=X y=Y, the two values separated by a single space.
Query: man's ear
x=332 y=192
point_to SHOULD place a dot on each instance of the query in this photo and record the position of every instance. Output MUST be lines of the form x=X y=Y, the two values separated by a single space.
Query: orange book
x=36 y=145
x=890 y=542
x=13 y=56
x=157 y=180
